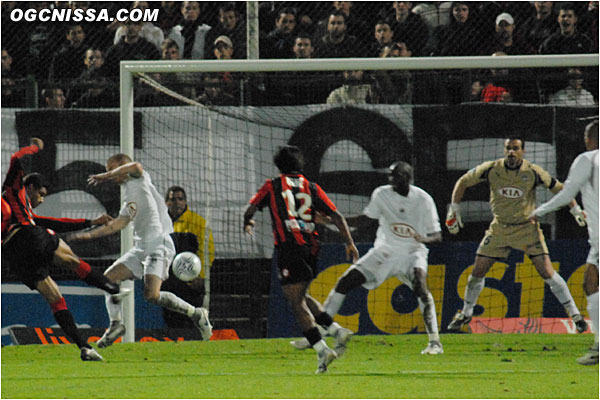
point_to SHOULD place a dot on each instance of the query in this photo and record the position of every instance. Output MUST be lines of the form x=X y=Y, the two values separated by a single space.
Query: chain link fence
x=75 y=64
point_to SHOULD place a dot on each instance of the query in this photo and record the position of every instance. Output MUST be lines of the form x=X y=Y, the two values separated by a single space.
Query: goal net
x=212 y=128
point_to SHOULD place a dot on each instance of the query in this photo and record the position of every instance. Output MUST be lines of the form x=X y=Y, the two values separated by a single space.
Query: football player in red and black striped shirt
x=293 y=202
x=32 y=247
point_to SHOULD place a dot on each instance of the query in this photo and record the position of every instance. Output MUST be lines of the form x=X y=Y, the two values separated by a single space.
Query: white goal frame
x=129 y=68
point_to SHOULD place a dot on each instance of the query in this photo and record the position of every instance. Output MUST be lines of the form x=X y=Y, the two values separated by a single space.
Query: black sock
x=100 y=281
x=67 y=323
x=324 y=319
x=313 y=335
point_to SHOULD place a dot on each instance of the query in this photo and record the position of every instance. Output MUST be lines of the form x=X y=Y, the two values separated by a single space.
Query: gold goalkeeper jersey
x=512 y=191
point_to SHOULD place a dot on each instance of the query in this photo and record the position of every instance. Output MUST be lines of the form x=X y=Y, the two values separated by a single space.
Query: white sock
x=592 y=307
x=113 y=309
x=333 y=303
x=428 y=311
x=171 y=302
x=472 y=291
x=332 y=329
x=559 y=288
x=320 y=346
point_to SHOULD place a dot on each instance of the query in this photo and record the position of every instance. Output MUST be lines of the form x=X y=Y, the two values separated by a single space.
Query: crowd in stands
x=81 y=60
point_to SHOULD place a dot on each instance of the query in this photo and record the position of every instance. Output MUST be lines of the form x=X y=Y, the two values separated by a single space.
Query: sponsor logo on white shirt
x=402 y=230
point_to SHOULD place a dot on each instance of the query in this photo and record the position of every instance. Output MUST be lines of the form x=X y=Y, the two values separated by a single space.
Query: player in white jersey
x=583 y=177
x=153 y=252
x=408 y=220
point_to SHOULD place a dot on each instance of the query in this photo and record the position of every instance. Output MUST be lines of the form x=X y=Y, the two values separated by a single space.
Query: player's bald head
x=400 y=176
x=117 y=160
x=401 y=168
x=591 y=135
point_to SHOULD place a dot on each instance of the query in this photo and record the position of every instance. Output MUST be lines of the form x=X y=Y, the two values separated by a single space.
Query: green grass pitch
x=473 y=366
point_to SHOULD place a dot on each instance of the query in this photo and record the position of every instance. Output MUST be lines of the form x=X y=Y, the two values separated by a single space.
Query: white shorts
x=150 y=258
x=380 y=264
x=593 y=256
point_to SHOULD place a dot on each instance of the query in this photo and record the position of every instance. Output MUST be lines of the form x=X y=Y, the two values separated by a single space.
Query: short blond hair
x=120 y=159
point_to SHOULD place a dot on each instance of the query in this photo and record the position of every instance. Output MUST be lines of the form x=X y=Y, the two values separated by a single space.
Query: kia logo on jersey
x=403 y=230
x=510 y=192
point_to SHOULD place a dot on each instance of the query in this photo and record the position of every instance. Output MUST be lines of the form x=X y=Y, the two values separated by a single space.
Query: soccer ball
x=186 y=266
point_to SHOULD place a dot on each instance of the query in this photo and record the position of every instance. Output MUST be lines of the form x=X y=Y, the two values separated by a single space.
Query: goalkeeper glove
x=453 y=219
x=578 y=214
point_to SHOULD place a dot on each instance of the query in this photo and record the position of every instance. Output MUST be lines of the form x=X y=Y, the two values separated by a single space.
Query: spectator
x=354 y=91
x=149 y=31
x=41 y=41
x=540 y=26
x=54 y=98
x=394 y=86
x=93 y=59
x=190 y=35
x=355 y=23
x=187 y=221
x=337 y=43
x=574 y=94
x=303 y=46
x=10 y=97
x=459 y=37
x=231 y=25
x=495 y=91
x=217 y=92
x=131 y=47
x=568 y=40
x=383 y=36
x=589 y=24
x=506 y=41
x=97 y=34
x=100 y=92
x=279 y=41
x=169 y=15
x=223 y=48
x=409 y=27
x=67 y=63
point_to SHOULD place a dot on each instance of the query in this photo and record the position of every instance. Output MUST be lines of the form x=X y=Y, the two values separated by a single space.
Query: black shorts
x=29 y=253
x=296 y=263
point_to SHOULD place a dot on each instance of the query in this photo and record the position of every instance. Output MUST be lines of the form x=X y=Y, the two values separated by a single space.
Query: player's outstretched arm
x=133 y=169
x=248 y=221
x=340 y=222
x=111 y=227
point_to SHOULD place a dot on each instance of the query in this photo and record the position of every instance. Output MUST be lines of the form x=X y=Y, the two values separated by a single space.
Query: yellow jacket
x=192 y=222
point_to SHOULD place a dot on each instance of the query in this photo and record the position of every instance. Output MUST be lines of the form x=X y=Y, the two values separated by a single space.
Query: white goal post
x=129 y=68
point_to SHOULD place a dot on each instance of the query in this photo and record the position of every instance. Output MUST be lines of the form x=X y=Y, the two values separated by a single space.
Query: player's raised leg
x=64 y=257
x=559 y=288
x=475 y=285
x=170 y=301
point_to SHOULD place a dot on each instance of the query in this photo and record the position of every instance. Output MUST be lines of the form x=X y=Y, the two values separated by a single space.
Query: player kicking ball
x=153 y=252
x=408 y=220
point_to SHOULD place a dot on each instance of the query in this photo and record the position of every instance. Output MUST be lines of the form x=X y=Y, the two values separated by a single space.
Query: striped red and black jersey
x=16 y=204
x=293 y=201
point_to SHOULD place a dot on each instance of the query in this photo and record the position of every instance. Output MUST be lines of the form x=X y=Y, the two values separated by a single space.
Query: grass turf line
x=473 y=366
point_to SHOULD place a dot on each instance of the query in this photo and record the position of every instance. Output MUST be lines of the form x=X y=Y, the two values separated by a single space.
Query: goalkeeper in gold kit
x=512 y=181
